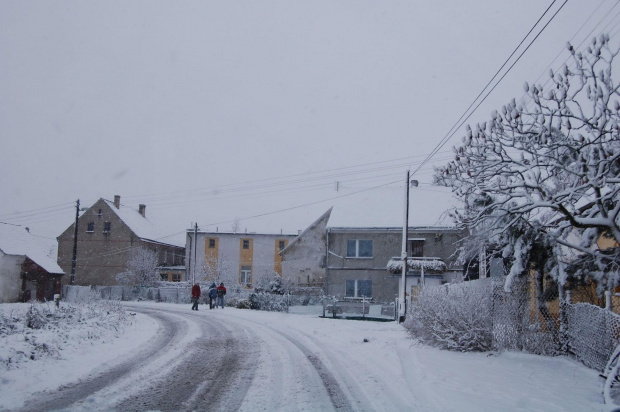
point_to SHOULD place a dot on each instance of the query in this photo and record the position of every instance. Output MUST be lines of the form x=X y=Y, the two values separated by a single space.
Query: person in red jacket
x=221 y=291
x=195 y=296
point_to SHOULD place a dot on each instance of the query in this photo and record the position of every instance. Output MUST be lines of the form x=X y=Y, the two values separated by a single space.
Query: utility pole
x=403 y=281
x=75 y=235
x=402 y=297
x=195 y=244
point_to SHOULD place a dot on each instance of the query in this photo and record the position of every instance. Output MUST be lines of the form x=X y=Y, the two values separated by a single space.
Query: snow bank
x=43 y=347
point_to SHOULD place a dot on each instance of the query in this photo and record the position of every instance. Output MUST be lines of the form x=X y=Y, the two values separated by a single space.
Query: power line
x=455 y=128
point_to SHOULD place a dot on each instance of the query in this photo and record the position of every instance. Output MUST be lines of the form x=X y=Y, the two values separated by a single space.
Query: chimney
x=142 y=210
x=117 y=201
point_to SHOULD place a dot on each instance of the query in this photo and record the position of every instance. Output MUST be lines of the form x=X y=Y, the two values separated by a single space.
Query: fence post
x=563 y=320
x=608 y=299
x=334 y=308
x=396 y=309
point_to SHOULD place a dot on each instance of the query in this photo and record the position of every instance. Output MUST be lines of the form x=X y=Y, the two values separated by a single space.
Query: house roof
x=17 y=241
x=139 y=225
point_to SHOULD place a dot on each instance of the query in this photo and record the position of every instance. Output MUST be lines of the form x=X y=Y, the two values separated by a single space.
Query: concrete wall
x=10 y=281
x=387 y=243
x=304 y=262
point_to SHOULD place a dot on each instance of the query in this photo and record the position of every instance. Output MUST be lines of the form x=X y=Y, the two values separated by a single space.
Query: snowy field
x=378 y=356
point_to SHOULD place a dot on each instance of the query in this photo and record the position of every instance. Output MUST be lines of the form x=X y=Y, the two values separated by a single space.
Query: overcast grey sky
x=207 y=111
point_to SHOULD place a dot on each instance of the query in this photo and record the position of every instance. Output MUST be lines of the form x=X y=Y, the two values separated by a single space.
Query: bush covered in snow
x=452 y=318
x=30 y=331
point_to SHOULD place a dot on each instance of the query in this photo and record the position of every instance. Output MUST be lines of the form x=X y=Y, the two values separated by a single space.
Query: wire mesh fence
x=519 y=319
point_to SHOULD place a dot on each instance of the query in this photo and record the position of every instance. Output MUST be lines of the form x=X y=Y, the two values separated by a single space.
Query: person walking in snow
x=221 y=291
x=195 y=296
x=212 y=295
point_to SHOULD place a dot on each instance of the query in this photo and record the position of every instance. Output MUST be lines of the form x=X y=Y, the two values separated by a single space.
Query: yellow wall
x=606 y=243
x=246 y=255
x=211 y=256
x=277 y=264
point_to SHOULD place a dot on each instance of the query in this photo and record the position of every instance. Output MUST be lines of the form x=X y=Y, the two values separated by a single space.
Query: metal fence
x=181 y=294
x=519 y=320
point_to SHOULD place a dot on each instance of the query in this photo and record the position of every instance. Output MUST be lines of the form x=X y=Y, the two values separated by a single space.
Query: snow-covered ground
x=378 y=356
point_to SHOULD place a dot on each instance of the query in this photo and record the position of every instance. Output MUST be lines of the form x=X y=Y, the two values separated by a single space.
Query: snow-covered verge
x=43 y=347
x=393 y=370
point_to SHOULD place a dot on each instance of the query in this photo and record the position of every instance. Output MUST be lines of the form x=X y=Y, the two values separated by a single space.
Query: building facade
x=242 y=259
x=357 y=260
x=108 y=234
x=303 y=260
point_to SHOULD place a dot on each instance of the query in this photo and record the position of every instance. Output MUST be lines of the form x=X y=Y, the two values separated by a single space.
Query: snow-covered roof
x=17 y=241
x=430 y=264
x=140 y=225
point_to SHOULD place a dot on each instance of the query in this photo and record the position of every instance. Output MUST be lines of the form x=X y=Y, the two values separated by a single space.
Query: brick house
x=108 y=234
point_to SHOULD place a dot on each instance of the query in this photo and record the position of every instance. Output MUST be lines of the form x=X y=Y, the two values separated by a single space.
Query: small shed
x=26 y=270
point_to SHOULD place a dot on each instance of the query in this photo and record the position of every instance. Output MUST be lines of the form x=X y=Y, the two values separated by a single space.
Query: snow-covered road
x=225 y=360
x=172 y=358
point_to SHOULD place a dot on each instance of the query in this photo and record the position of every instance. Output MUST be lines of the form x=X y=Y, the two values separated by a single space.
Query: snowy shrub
x=32 y=331
x=243 y=304
x=272 y=302
x=452 y=318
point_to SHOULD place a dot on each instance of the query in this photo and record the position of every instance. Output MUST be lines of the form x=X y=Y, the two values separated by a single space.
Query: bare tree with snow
x=542 y=179
x=141 y=268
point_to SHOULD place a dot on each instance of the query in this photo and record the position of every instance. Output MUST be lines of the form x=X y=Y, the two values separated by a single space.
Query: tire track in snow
x=68 y=395
x=337 y=396
x=215 y=375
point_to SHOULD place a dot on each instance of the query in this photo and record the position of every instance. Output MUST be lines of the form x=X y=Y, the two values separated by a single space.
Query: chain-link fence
x=521 y=319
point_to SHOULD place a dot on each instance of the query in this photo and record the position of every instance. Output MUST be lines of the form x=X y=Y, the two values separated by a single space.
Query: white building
x=234 y=258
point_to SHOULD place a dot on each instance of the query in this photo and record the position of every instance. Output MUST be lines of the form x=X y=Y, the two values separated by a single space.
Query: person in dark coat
x=221 y=291
x=212 y=295
x=195 y=296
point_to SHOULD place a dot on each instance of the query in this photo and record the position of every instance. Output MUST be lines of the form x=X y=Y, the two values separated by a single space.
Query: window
x=163 y=277
x=176 y=277
x=100 y=213
x=211 y=243
x=281 y=244
x=106 y=227
x=246 y=243
x=246 y=275
x=417 y=247
x=359 y=248
x=357 y=288
x=90 y=227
